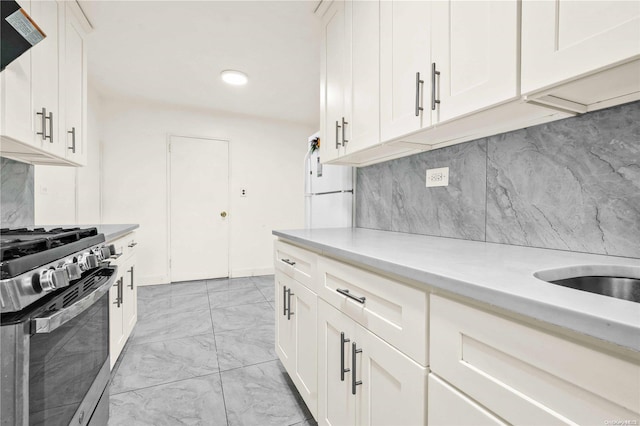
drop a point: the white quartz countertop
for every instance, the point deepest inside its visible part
(496, 274)
(110, 231)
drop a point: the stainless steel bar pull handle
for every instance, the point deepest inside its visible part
(284, 300)
(118, 301)
(288, 261)
(434, 73)
(337, 134)
(43, 123)
(131, 272)
(344, 128)
(345, 292)
(289, 313)
(418, 83)
(73, 139)
(354, 382)
(342, 369)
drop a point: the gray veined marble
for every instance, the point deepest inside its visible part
(573, 184)
(196, 288)
(243, 316)
(262, 395)
(248, 346)
(196, 401)
(374, 196)
(16, 194)
(171, 303)
(241, 296)
(160, 326)
(457, 210)
(155, 363)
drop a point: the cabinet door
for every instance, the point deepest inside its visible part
(448, 407)
(333, 80)
(304, 308)
(475, 49)
(336, 404)
(564, 39)
(362, 103)
(74, 89)
(44, 75)
(15, 83)
(389, 379)
(405, 57)
(116, 322)
(130, 297)
(285, 324)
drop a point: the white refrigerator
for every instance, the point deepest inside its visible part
(328, 192)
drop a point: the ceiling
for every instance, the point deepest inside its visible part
(173, 52)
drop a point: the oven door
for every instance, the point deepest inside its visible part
(69, 353)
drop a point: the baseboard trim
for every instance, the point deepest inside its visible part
(238, 273)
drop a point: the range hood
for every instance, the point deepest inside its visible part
(18, 32)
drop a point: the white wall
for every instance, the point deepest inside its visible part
(58, 199)
(266, 158)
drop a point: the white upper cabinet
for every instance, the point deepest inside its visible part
(350, 75)
(362, 103)
(44, 76)
(44, 90)
(333, 60)
(75, 85)
(565, 39)
(15, 83)
(475, 56)
(405, 68)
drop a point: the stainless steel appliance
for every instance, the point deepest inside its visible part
(54, 330)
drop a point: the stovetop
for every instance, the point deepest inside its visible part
(24, 249)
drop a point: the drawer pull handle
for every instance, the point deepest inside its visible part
(351, 296)
(284, 300)
(354, 382)
(133, 245)
(288, 262)
(342, 369)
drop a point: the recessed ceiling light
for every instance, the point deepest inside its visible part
(236, 78)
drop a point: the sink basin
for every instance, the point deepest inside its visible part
(618, 287)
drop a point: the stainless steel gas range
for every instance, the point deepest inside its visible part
(54, 330)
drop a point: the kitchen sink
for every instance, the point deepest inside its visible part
(618, 287)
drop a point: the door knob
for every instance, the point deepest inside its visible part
(223, 214)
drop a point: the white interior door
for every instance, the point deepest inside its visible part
(199, 201)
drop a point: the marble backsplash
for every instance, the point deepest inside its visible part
(16, 194)
(572, 184)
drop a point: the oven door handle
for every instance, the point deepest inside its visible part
(43, 325)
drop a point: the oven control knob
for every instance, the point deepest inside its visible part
(112, 250)
(73, 271)
(87, 261)
(51, 279)
(106, 252)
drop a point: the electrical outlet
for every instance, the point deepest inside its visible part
(243, 192)
(438, 177)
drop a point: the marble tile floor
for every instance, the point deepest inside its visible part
(202, 353)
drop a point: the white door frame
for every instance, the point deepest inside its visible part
(168, 206)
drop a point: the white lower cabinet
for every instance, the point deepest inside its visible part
(123, 296)
(363, 380)
(296, 310)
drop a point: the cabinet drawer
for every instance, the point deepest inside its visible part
(297, 263)
(125, 247)
(525, 375)
(448, 407)
(396, 312)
